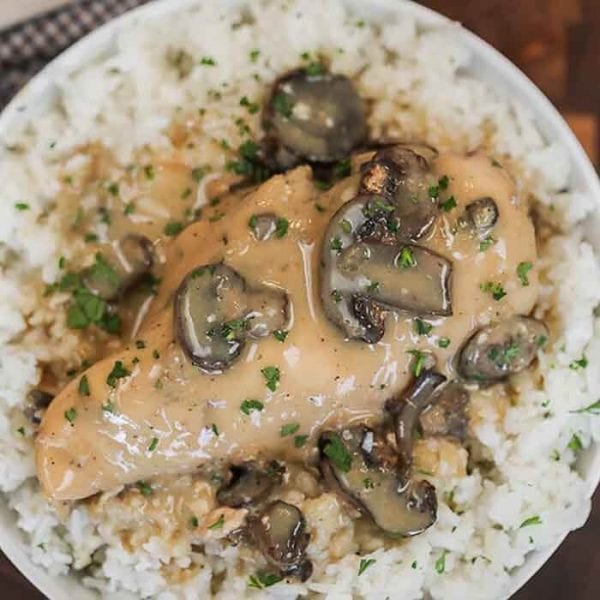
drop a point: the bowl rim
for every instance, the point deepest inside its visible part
(35, 95)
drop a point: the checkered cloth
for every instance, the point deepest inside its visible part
(25, 48)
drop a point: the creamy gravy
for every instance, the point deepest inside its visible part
(167, 417)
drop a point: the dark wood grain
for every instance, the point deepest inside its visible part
(557, 43)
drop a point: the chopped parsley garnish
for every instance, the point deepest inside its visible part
(449, 204)
(218, 524)
(593, 409)
(144, 488)
(283, 104)
(194, 522)
(254, 54)
(288, 429)
(281, 227)
(253, 222)
(336, 244)
(263, 580)
(62, 261)
(149, 172)
(535, 520)
(198, 174)
(443, 342)
(90, 238)
(118, 372)
(214, 429)
(342, 168)
(84, 387)
(113, 188)
(300, 440)
(575, 443)
(443, 182)
(365, 563)
(440, 563)
(22, 206)
(494, 288)
(407, 260)
(373, 286)
(155, 354)
(336, 295)
(253, 107)
(140, 344)
(580, 363)
(418, 363)
(346, 226)
(488, 242)
(413, 564)
(271, 375)
(250, 405)
(71, 414)
(523, 269)
(108, 407)
(336, 451)
(230, 329)
(153, 444)
(434, 191)
(422, 327)
(250, 164)
(186, 193)
(314, 69)
(208, 61)
(368, 483)
(173, 228)
(129, 209)
(541, 341)
(280, 335)
(21, 430)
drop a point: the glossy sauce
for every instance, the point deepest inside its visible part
(325, 381)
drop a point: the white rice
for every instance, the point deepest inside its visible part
(418, 82)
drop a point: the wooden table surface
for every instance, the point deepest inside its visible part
(557, 43)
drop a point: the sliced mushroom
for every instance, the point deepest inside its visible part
(316, 117)
(263, 226)
(36, 403)
(132, 258)
(447, 414)
(280, 534)
(215, 311)
(405, 411)
(351, 464)
(249, 484)
(402, 176)
(501, 349)
(481, 216)
(360, 281)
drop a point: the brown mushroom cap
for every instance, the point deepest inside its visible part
(447, 414)
(280, 534)
(215, 311)
(316, 117)
(501, 349)
(371, 484)
(250, 483)
(481, 215)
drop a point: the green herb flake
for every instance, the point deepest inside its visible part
(283, 105)
(208, 61)
(108, 407)
(336, 295)
(592, 409)
(443, 182)
(218, 524)
(346, 226)
(580, 363)
(155, 354)
(373, 286)
(300, 440)
(523, 269)
(413, 564)
(153, 444)
(280, 335)
(336, 451)
(194, 522)
(271, 375)
(253, 55)
(434, 191)
(90, 238)
(488, 242)
(71, 414)
(84, 387)
(118, 372)
(263, 580)
(422, 327)
(575, 443)
(250, 405)
(144, 488)
(21, 430)
(314, 69)
(129, 209)
(440, 563)
(253, 107)
(173, 228)
(214, 429)
(418, 363)
(336, 244)
(535, 520)
(407, 260)
(494, 288)
(140, 344)
(281, 227)
(365, 563)
(449, 204)
(288, 429)
(22, 206)
(443, 342)
(368, 483)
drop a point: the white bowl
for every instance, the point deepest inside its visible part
(487, 64)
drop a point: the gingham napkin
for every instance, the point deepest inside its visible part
(27, 47)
